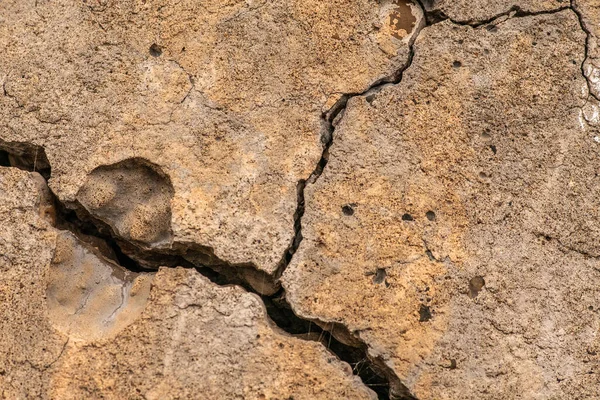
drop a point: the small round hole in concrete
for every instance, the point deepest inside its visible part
(475, 285)
(379, 276)
(348, 209)
(407, 217)
(424, 313)
(456, 64)
(430, 215)
(155, 50)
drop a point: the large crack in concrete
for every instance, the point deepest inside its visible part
(76, 220)
(375, 373)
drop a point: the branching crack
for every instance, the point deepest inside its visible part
(435, 16)
(373, 370)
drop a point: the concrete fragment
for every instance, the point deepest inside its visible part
(445, 182)
(88, 296)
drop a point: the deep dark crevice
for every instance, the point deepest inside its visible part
(279, 311)
(284, 317)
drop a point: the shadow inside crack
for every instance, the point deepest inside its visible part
(77, 221)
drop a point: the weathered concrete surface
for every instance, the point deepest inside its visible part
(425, 234)
(453, 231)
(192, 338)
(225, 98)
(468, 11)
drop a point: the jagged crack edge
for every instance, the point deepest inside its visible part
(73, 224)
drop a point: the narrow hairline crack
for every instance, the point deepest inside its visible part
(588, 34)
(436, 16)
(433, 17)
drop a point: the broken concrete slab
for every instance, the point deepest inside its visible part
(76, 325)
(422, 235)
(195, 337)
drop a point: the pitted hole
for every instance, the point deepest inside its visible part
(380, 276)
(430, 215)
(493, 148)
(155, 50)
(475, 285)
(133, 197)
(348, 209)
(486, 134)
(402, 21)
(456, 64)
(484, 176)
(424, 313)
(370, 98)
(430, 255)
(407, 217)
(491, 28)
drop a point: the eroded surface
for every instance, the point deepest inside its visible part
(190, 337)
(450, 231)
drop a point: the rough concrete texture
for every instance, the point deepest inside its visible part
(426, 233)
(193, 339)
(420, 179)
(225, 98)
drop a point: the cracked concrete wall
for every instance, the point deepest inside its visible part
(298, 199)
